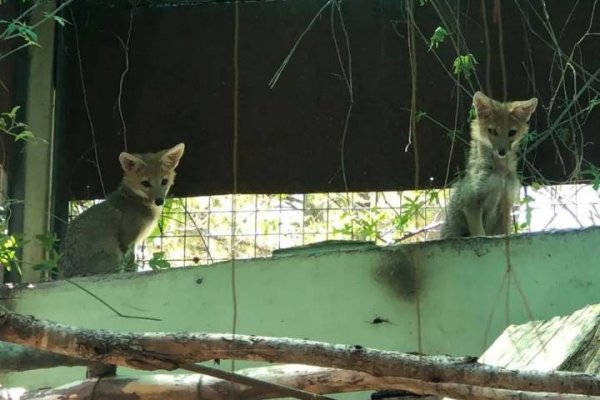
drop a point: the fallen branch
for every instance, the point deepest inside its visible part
(170, 350)
(311, 379)
(17, 358)
(265, 386)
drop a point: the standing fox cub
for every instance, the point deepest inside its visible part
(482, 200)
(98, 238)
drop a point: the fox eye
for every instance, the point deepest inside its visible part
(512, 133)
(146, 184)
(164, 182)
(492, 132)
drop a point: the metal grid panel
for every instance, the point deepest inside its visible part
(199, 230)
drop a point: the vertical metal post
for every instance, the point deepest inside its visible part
(60, 189)
(38, 156)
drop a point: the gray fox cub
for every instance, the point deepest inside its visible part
(482, 200)
(98, 238)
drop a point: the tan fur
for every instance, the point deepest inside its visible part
(482, 200)
(98, 238)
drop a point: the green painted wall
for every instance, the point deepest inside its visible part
(332, 293)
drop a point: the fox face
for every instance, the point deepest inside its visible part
(501, 125)
(151, 175)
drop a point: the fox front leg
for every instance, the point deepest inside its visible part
(474, 217)
(504, 217)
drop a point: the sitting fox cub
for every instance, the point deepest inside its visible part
(98, 238)
(482, 200)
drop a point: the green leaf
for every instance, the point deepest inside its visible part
(24, 135)
(10, 29)
(472, 113)
(13, 112)
(59, 20)
(48, 241)
(465, 65)
(594, 172)
(158, 262)
(8, 246)
(29, 35)
(46, 265)
(22, 30)
(438, 37)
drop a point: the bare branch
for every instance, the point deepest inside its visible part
(16, 358)
(311, 379)
(170, 350)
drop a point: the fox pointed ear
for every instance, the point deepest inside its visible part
(523, 109)
(172, 156)
(129, 162)
(483, 105)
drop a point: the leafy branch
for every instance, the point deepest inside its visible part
(9, 125)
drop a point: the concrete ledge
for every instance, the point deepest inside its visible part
(335, 292)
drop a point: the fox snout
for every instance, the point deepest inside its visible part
(158, 193)
(501, 147)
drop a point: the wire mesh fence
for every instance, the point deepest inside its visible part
(202, 230)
